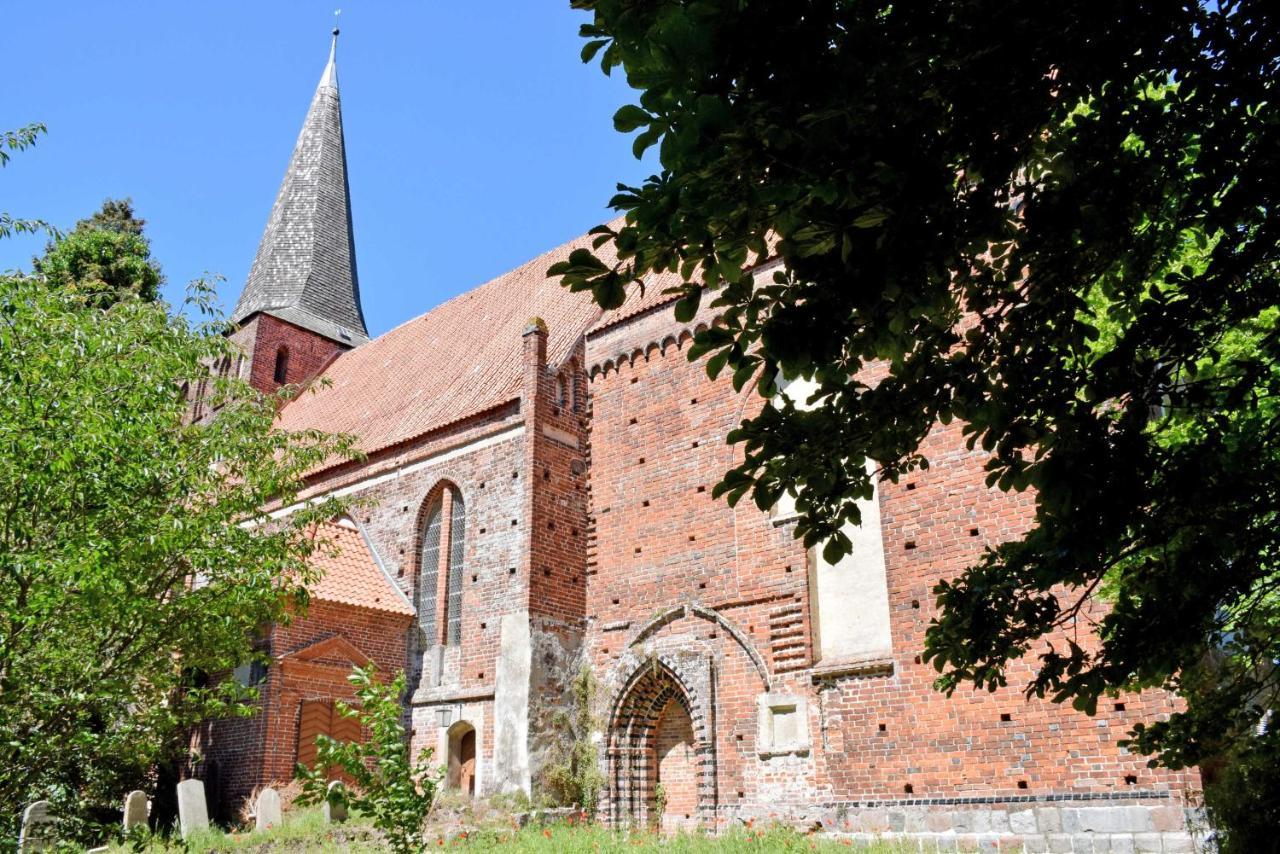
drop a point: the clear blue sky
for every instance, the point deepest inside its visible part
(476, 138)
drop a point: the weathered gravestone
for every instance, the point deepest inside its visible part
(193, 814)
(135, 810)
(267, 809)
(335, 803)
(37, 828)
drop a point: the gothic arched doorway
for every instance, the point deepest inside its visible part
(675, 767)
(462, 757)
(661, 764)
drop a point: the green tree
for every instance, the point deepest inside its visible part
(137, 561)
(114, 215)
(1052, 222)
(105, 255)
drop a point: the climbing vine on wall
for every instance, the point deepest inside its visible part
(572, 774)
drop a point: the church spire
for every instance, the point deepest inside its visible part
(305, 269)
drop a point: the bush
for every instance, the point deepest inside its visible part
(1241, 797)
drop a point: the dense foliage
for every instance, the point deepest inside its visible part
(1052, 222)
(106, 256)
(396, 794)
(136, 559)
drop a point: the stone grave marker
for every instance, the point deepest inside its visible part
(193, 813)
(267, 809)
(135, 810)
(37, 828)
(335, 804)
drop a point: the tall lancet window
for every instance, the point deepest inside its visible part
(457, 534)
(442, 550)
(428, 581)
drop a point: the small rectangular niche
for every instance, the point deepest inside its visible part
(782, 725)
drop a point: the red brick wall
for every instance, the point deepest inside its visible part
(657, 446)
(555, 443)
(261, 750)
(676, 764)
(263, 336)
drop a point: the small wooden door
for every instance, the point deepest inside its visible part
(467, 759)
(321, 717)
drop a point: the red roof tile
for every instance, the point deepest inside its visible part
(459, 359)
(351, 576)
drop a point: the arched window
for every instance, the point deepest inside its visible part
(443, 549)
(282, 365)
(562, 392)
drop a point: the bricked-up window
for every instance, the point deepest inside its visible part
(849, 600)
(571, 380)
(442, 563)
(282, 364)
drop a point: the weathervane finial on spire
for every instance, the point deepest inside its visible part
(330, 77)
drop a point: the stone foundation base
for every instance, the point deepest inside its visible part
(1035, 825)
(1080, 843)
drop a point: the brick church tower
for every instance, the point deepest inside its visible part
(301, 304)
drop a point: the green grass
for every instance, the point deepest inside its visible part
(302, 830)
(305, 830)
(562, 839)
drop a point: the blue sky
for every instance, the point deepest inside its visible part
(476, 138)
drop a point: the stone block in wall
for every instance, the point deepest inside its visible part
(1023, 821)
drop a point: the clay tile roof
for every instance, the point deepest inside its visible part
(352, 575)
(637, 302)
(462, 358)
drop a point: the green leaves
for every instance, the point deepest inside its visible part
(125, 548)
(1026, 233)
(871, 218)
(630, 117)
(591, 48)
(686, 307)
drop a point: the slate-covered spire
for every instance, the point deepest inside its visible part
(305, 269)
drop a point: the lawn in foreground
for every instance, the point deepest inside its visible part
(305, 830)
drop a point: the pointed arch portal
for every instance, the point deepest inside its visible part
(660, 732)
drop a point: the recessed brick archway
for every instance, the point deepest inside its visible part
(656, 687)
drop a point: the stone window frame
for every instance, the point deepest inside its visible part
(766, 706)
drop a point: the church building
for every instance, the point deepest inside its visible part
(535, 504)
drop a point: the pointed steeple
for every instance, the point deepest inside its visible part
(305, 269)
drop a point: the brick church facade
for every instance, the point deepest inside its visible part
(536, 499)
